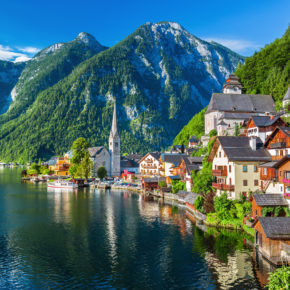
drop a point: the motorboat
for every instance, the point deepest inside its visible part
(62, 184)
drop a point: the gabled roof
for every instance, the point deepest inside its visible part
(155, 155)
(241, 103)
(172, 158)
(134, 156)
(192, 163)
(287, 95)
(276, 227)
(285, 130)
(237, 148)
(265, 121)
(270, 199)
(94, 151)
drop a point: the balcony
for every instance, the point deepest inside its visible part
(278, 145)
(219, 172)
(228, 187)
(222, 186)
(217, 185)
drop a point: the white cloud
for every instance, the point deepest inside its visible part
(29, 49)
(17, 54)
(22, 58)
(238, 45)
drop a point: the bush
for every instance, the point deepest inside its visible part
(212, 219)
(280, 279)
(162, 184)
(212, 133)
(198, 203)
(102, 172)
(178, 185)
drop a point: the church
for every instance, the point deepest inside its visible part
(232, 107)
(110, 159)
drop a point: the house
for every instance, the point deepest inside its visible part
(129, 165)
(275, 176)
(62, 166)
(149, 184)
(272, 236)
(234, 108)
(278, 143)
(193, 142)
(263, 126)
(235, 164)
(260, 201)
(168, 161)
(149, 164)
(185, 168)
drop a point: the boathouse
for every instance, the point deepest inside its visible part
(260, 201)
(272, 236)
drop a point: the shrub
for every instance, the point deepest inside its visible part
(198, 203)
(280, 279)
(162, 183)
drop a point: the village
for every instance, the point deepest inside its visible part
(240, 180)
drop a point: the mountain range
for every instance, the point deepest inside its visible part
(159, 76)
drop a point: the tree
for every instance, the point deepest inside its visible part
(86, 165)
(102, 172)
(79, 149)
(73, 171)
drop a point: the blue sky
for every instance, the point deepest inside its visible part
(244, 26)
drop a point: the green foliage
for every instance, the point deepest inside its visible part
(162, 183)
(275, 211)
(73, 171)
(267, 71)
(79, 149)
(212, 133)
(194, 127)
(101, 172)
(37, 169)
(177, 186)
(212, 219)
(237, 130)
(202, 181)
(198, 203)
(280, 279)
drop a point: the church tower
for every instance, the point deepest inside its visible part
(114, 146)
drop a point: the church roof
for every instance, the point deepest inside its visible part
(114, 129)
(287, 95)
(94, 151)
(241, 103)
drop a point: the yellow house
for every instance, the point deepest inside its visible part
(62, 166)
(235, 164)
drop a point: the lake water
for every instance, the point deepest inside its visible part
(96, 239)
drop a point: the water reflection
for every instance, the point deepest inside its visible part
(114, 239)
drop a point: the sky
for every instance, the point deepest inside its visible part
(243, 26)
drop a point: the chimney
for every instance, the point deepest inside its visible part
(253, 143)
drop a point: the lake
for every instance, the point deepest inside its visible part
(112, 239)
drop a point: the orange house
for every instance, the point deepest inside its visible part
(272, 236)
(62, 166)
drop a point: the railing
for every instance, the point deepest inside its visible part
(149, 166)
(219, 172)
(217, 185)
(223, 186)
(278, 145)
(228, 187)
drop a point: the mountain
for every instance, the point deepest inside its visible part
(268, 71)
(160, 76)
(9, 75)
(47, 68)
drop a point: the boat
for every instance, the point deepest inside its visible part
(62, 184)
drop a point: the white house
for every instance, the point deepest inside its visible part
(149, 164)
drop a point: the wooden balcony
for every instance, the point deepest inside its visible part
(222, 186)
(278, 145)
(217, 185)
(228, 187)
(219, 172)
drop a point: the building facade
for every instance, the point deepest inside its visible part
(149, 164)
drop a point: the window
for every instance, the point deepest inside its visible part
(255, 168)
(264, 171)
(245, 168)
(116, 144)
(220, 154)
(230, 181)
(230, 168)
(245, 182)
(256, 182)
(280, 173)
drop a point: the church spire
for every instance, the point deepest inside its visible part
(114, 130)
